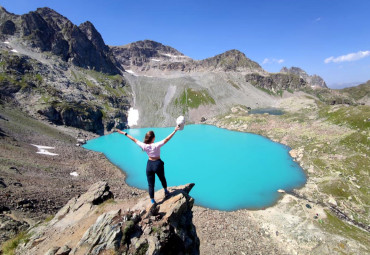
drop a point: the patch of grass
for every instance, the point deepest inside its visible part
(193, 99)
(48, 218)
(336, 188)
(359, 91)
(233, 84)
(265, 90)
(45, 99)
(11, 245)
(353, 116)
(336, 226)
(107, 202)
(156, 230)
(143, 248)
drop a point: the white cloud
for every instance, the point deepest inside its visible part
(348, 57)
(272, 61)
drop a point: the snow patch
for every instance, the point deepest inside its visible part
(6, 42)
(74, 174)
(174, 56)
(13, 50)
(44, 150)
(131, 72)
(157, 60)
(133, 117)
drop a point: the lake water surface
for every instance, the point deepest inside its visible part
(231, 170)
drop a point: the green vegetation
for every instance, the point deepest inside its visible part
(359, 91)
(193, 99)
(233, 84)
(356, 117)
(143, 248)
(49, 218)
(336, 226)
(335, 147)
(11, 245)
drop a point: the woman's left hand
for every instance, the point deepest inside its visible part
(177, 128)
(119, 131)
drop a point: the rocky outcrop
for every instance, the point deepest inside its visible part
(71, 101)
(276, 82)
(312, 80)
(9, 227)
(163, 228)
(8, 28)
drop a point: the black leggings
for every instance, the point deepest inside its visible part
(152, 168)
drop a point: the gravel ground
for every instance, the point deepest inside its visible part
(37, 185)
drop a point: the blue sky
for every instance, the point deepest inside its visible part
(330, 38)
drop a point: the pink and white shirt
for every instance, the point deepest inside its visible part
(153, 149)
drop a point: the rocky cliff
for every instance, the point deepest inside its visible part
(312, 80)
(94, 223)
(48, 31)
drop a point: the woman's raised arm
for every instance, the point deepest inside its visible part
(125, 133)
(171, 135)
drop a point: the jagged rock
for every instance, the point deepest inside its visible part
(276, 82)
(65, 250)
(157, 229)
(163, 228)
(52, 250)
(312, 80)
(47, 30)
(97, 194)
(8, 28)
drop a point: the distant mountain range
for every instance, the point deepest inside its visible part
(67, 74)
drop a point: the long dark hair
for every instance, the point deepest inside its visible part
(149, 136)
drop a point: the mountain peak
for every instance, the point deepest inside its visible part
(93, 35)
(231, 60)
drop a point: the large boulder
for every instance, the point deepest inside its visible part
(83, 227)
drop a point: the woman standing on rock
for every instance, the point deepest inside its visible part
(155, 165)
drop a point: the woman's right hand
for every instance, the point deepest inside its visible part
(177, 128)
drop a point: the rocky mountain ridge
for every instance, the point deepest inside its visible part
(47, 31)
(145, 55)
(76, 87)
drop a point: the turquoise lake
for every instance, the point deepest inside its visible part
(231, 170)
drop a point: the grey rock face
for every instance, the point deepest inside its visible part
(72, 100)
(232, 60)
(163, 228)
(47, 30)
(153, 55)
(276, 82)
(140, 53)
(312, 80)
(8, 28)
